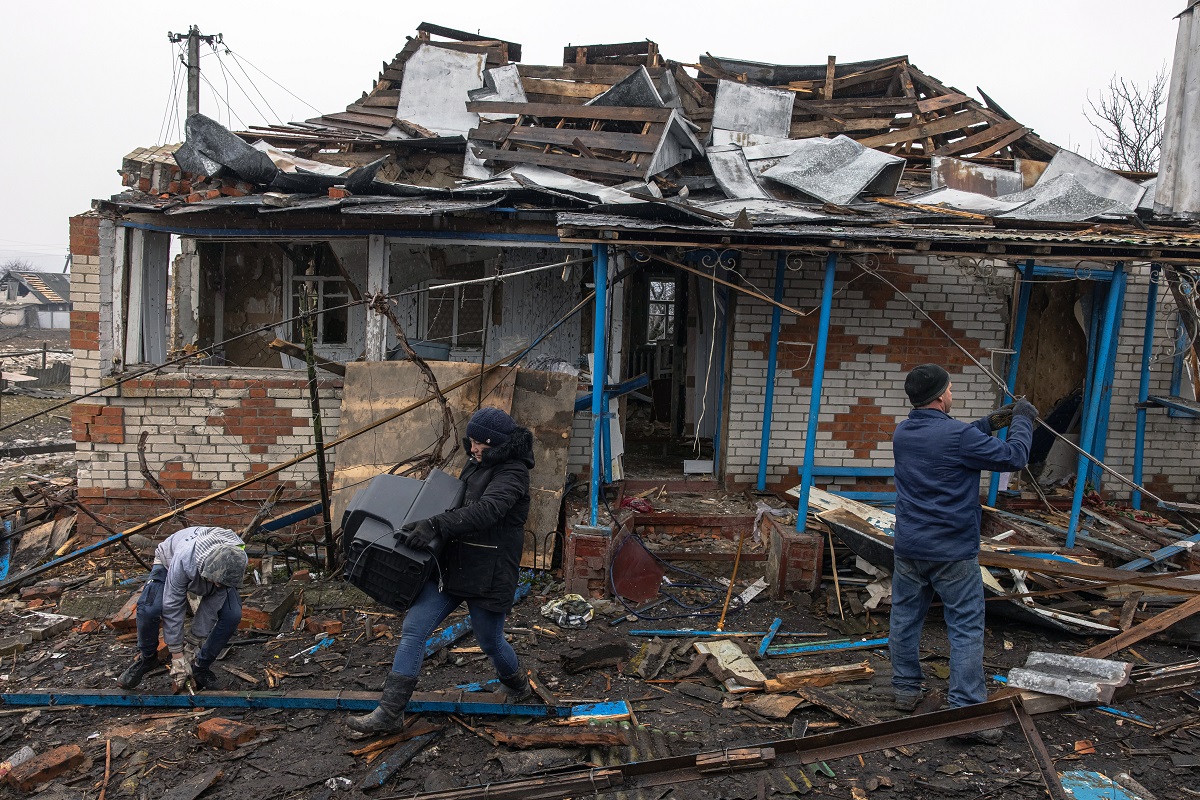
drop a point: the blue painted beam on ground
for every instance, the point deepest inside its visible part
(292, 517)
(1084, 785)
(324, 701)
(682, 632)
(825, 647)
(1161, 554)
(766, 641)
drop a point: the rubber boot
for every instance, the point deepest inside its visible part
(389, 714)
(516, 686)
(134, 673)
(204, 678)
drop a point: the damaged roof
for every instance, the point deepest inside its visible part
(456, 125)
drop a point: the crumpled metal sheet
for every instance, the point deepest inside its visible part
(636, 89)
(435, 89)
(732, 171)
(1178, 189)
(1095, 179)
(753, 109)
(764, 212)
(418, 206)
(966, 201)
(838, 170)
(1062, 198)
(954, 173)
(210, 149)
(1087, 680)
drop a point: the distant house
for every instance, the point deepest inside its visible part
(35, 300)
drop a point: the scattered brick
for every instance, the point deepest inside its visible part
(323, 625)
(46, 767)
(302, 576)
(88, 626)
(126, 618)
(338, 192)
(225, 733)
(46, 590)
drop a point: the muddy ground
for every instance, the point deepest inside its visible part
(297, 752)
(46, 419)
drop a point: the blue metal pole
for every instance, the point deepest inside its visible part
(599, 360)
(1095, 474)
(1112, 323)
(1010, 380)
(1139, 446)
(772, 355)
(814, 400)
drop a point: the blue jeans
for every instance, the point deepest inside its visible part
(960, 587)
(149, 617)
(428, 611)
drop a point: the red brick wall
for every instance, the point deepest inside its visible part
(97, 424)
(85, 235)
(794, 560)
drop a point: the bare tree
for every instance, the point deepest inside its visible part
(14, 265)
(1128, 118)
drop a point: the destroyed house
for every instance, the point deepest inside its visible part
(754, 255)
(35, 300)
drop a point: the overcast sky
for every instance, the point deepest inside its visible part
(85, 83)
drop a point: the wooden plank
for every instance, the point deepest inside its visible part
(1072, 570)
(939, 103)
(564, 88)
(821, 676)
(954, 122)
(596, 140)
(990, 134)
(992, 149)
(1156, 624)
(571, 112)
(845, 709)
(560, 737)
(591, 73)
(830, 72)
(618, 168)
(382, 97)
(592, 51)
(513, 48)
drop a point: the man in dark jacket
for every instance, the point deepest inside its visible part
(938, 466)
(480, 564)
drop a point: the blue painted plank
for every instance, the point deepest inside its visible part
(766, 641)
(825, 647)
(326, 701)
(682, 632)
(1160, 554)
(1084, 785)
(292, 517)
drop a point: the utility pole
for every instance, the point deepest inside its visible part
(194, 37)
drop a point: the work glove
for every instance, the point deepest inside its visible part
(1001, 417)
(418, 535)
(181, 669)
(1024, 408)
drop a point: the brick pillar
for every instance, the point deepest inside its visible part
(585, 560)
(794, 560)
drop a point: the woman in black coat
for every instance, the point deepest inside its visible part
(480, 563)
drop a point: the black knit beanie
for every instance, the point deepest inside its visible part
(490, 426)
(926, 384)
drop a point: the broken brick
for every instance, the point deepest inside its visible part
(88, 626)
(338, 192)
(323, 625)
(302, 576)
(46, 767)
(225, 733)
(47, 590)
(126, 618)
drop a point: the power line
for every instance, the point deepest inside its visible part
(238, 57)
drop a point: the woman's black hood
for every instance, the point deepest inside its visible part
(519, 447)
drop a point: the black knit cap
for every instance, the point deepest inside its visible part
(926, 384)
(490, 426)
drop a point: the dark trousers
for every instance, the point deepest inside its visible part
(149, 617)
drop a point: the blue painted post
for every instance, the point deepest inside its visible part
(814, 400)
(1112, 323)
(606, 435)
(1100, 445)
(772, 354)
(1139, 446)
(1010, 380)
(599, 360)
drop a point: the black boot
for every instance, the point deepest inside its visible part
(204, 678)
(517, 686)
(389, 714)
(133, 675)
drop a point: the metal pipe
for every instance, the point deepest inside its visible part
(599, 360)
(1017, 342)
(814, 399)
(772, 354)
(1139, 446)
(724, 342)
(1112, 323)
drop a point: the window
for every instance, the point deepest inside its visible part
(454, 315)
(332, 297)
(661, 309)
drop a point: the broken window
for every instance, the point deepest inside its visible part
(330, 304)
(143, 266)
(454, 315)
(661, 310)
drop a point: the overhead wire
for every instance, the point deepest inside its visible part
(253, 85)
(237, 56)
